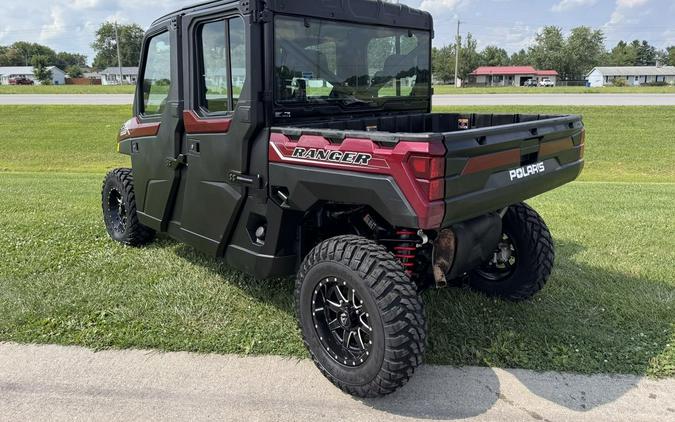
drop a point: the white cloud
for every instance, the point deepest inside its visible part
(565, 5)
(630, 3)
(440, 6)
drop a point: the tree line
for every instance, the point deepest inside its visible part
(572, 56)
(40, 57)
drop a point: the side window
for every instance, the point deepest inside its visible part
(238, 57)
(222, 75)
(214, 67)
(157, 74)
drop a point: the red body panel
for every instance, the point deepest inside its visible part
(508, 158)
(133, 128)
(195, 124)
(386, 161)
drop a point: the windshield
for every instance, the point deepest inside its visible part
(349, 65)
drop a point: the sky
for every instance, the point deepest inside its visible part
(69, 25)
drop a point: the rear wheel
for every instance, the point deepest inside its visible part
(360, 316)
(523, 260)
(119, 209)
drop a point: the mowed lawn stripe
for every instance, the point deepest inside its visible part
(609, 306)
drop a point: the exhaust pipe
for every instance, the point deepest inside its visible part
(443, 256)
(464, 246)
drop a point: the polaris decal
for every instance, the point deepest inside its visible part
(340, 157)
(527, 171)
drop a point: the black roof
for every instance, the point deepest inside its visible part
(362, 11)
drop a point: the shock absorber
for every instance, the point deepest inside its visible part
(405, 249)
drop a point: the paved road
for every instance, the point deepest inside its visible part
(450, 100)
(67, 383)
(557, 99)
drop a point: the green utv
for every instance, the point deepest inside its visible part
(296, 137)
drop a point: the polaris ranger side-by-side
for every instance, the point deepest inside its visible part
(297, 137)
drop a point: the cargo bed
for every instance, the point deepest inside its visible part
(491, 160)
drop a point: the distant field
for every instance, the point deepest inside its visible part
(608, 308)
(67, 89)
(625, 143)
(450, 89)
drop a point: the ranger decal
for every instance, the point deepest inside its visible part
(315, 154)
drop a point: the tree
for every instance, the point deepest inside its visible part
(130, 39)
(671, 55)
(662, 57)
(64, 60)
(40, 69)
(443, 63)
(21, 53)
(548, 52)
(469, 58)
(584, 49)
(623, 54)
(494, 56)
(646, 53)
(521, 58)
(74, 71)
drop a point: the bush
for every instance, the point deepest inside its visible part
(619, 82)
(660, 83)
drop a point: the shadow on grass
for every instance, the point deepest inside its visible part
(588, 320)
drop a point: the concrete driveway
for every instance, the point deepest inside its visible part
(438, 100)
(70, 383)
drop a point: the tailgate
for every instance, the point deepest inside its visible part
(491, 167)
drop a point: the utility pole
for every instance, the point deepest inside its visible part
(457, 47)
(119, 56)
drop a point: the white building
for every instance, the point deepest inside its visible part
(634, 75)
(26, 72)
(111, 76)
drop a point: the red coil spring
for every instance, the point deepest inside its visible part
(406, 250)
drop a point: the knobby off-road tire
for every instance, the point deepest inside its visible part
(380, 296)
(119, 209)
(532, 247)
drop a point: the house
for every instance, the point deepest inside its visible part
(634, 75)
(509, 75)
(111, 76)
(18, 72)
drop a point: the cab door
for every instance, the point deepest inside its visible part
(218, 125)
(155, 157)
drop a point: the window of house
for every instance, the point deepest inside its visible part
(222, 69)
(157, 74)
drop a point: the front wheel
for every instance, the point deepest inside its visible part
(360, 316)
(119, 209)
(523, 260)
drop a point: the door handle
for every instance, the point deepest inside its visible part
(176, 163)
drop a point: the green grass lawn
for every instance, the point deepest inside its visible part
(450, 89)
(609, 306)
(67, 89)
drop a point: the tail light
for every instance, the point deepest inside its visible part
(429, 172)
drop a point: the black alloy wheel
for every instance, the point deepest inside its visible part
(523, 260)
(342, 322)
(119, 210)
(360, 315)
